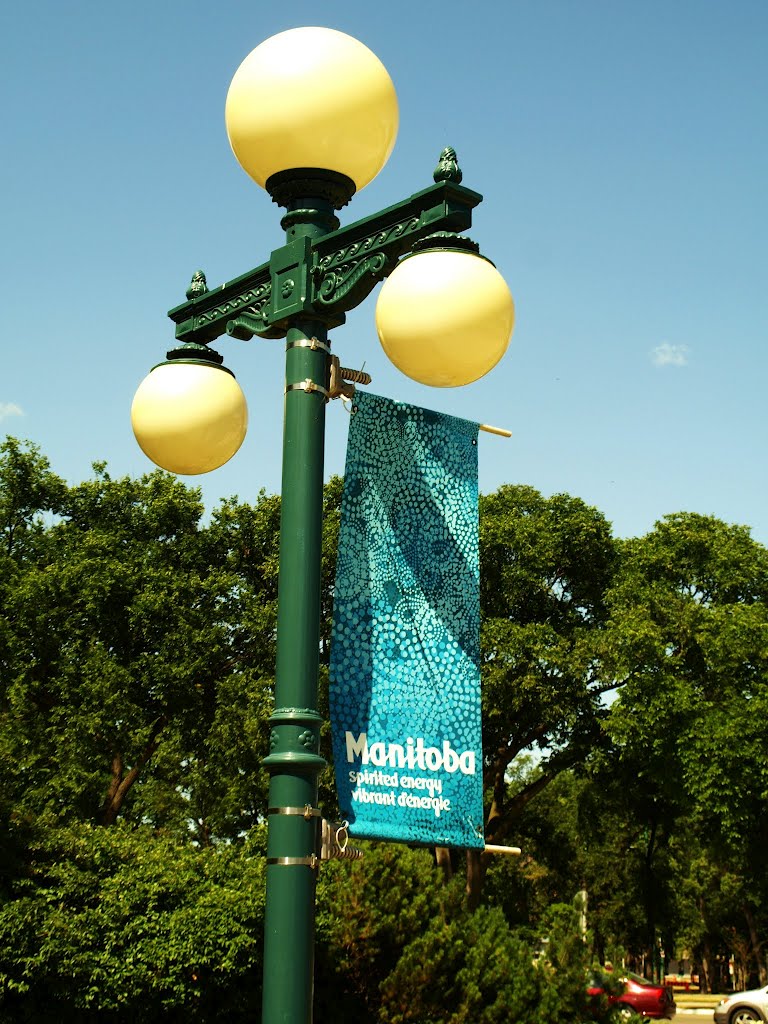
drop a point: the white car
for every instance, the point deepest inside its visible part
(743, 1007)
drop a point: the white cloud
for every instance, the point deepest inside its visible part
(670, 355)
(10, 409)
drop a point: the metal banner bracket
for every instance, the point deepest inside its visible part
(342, 381)
(334, 840)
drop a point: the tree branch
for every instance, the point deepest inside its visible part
(120, 786)
(507, 753)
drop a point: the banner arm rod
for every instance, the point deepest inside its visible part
(495, 430)
(513, 851)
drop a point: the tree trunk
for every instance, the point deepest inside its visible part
(443, 861)
(649, 898)
(756, 945)
(705, 974)
(477, 863)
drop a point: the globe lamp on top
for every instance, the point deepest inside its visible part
(445, 315)
(189, 416)
(312, 98)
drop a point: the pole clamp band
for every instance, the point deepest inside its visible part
(307, 812)
(311, 343)
(306, 385)
(312, 861)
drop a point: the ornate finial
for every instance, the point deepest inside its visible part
(448, 167)
(197, 286)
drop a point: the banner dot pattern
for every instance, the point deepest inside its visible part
(405, 680)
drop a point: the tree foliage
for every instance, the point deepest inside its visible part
(137, 645)
(400, 947)
(545, 567)
(123, 924)
(689, 635)
(664, 822)
(128, 684)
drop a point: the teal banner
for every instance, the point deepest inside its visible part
(405, 675)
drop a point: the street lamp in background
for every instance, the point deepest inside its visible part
(312, 117)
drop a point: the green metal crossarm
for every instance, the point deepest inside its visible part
(353, 259)
(327, 276)
(205, 318)
(444, 206)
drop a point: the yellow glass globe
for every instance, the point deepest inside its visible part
(445, 318)
(312, 97)
(189, 418)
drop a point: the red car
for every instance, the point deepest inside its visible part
(654, 1002)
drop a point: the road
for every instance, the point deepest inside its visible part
(693, 1017)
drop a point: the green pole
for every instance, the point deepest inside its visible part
(294, 761)
(304, 290)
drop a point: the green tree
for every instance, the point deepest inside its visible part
(625, 832)
(546, 564)
(135, 678)
(136, 655)
(137, 652)
(123, 924)
(30, 496)
(368, 912)
(472, 969)
(398, 945)
(688, 641)
(28, 491)
(551, 867)
(137, 649)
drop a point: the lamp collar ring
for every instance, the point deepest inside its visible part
(447, 241)
(296, 186)
(196, 354)
(185, 361)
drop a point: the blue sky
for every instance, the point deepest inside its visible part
(622, 151)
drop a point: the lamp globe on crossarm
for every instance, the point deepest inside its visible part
(189, 414)
(445, 315)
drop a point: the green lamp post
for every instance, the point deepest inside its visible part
(312, 117)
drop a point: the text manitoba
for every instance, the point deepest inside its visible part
(413, 754)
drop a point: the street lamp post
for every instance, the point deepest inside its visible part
(312, 117)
